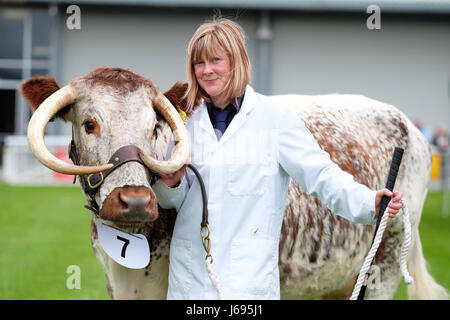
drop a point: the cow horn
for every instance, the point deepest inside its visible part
(181, 138)
(36, 129)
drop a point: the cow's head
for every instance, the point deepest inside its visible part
(110, 108)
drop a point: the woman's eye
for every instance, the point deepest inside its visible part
(216, 59)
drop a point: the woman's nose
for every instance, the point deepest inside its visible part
(208, 68)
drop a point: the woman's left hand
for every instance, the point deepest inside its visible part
(394, 205)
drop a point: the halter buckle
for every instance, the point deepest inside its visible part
(206, 241)
(98, 183)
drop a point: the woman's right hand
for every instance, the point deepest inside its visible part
(171, 180)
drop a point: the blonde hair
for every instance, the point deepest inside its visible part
(217, 34)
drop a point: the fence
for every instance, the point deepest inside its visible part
(21, 167)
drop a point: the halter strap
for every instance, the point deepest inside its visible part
(91, 183)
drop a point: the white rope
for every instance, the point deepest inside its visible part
(367, 262)
(406, 244)
(376, 243)
(214, 278)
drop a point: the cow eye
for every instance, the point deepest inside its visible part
(91, 126)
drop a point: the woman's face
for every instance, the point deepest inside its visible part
(213, 74)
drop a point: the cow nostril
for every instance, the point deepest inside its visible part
(130, 205)
(134, 203)
(123, 200)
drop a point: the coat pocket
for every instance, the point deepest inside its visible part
(180, 269)
(254, 268)
(248, 180)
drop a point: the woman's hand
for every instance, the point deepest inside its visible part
(171, 180)
(394, 206)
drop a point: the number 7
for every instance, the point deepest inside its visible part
(125, 245)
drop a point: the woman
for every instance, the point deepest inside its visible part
(245, 149)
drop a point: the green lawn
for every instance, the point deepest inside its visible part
(44, 230)
(434, 232)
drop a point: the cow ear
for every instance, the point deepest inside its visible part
(176, 93)
(175, 96)
(35, 90)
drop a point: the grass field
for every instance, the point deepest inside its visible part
(44, 230)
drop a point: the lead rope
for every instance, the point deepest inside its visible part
(209, 264)
(214, 278)
(362, 277)
(406, 244)
(206, 241)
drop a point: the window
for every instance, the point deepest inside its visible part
(26, 50)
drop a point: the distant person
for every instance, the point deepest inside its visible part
(425, 130)
(441, 140)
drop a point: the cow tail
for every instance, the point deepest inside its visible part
(424, 286)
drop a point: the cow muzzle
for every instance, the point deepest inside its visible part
(130, 206)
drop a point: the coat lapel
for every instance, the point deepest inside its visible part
(239, 119)
(205, 122)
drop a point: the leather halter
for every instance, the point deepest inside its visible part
(92, 182)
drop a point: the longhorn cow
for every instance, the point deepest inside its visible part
(320, 253)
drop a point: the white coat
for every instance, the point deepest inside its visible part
(246, 175)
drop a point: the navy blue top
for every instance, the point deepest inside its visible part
(231, 110)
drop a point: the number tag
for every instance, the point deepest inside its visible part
(129, 250)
